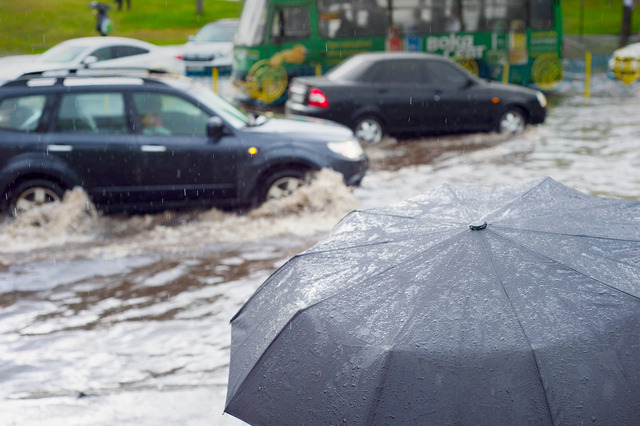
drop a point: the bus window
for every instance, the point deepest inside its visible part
(498, 15)
(252, 23)
(352, 18)
(541, 14)
(427, 16)
(290, 23)
(472, 13)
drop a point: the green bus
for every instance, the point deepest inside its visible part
(516, 41)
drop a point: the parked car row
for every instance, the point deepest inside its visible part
(154, 142)
(211, 47)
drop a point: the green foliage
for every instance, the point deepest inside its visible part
(598, 17)
(31, 26)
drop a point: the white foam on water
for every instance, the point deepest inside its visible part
(75, 224)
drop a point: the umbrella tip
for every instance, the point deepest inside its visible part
(478, 226)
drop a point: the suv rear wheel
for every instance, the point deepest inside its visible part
(33, 193)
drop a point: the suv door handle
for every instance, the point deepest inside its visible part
(153, 148)
(59, 148)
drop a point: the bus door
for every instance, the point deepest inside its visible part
(292, 50)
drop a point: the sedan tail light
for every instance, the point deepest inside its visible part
(318, 98)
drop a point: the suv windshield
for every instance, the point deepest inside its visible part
(224, 109)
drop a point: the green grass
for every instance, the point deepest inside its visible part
(598, 17)
(31, 26)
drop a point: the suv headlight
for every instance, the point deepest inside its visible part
(350, 149)
(542, 99)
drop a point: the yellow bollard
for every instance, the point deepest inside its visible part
(214, 77)
(318, 70)
(505, 73)
(587, 75)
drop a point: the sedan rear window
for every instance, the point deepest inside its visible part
(440, 72)
(115, 52)
(403, 71)
(349, 70)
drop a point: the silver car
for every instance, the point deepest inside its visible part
(211, 47)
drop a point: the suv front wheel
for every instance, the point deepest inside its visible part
(282, 184)
(33, 193)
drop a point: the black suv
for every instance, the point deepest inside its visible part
(154, 142)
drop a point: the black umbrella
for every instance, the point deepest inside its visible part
(462, 306)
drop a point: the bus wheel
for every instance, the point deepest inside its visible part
(369, 130)
(512, 121)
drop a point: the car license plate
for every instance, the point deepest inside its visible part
(297, 98)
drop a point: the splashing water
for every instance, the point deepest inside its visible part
(76, 224)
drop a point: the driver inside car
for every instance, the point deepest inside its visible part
(149, 107)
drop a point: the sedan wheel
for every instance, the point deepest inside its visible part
(512, 122)
(32, 194)
(369, 131)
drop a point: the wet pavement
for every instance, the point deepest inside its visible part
(125, 319)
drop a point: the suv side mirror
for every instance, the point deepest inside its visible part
(215, 128)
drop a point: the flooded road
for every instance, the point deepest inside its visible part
(125, 319)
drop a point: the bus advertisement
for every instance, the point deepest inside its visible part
(515, 41)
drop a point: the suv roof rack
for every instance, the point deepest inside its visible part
(61, 73)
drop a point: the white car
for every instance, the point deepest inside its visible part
(95, 52)
(211, 47)
(624, 63)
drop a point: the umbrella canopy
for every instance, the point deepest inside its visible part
(419, 313)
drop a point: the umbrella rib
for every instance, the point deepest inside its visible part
(461, 203)
(377, 213)
(524, 333)
(398, 240)
(569, 267)
(625, 240)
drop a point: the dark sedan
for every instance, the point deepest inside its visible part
(402, 92)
